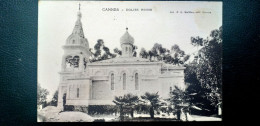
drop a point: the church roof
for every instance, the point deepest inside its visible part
(135, 60)
(170, 66)
(127, 38)
(123, 60)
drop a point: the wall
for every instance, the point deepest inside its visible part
(97, 89)
(84, 86)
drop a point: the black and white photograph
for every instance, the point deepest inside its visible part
(129, 61)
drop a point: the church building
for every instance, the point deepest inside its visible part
(97, 83)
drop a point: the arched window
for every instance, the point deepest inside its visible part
(112, 81)
(170, 89)
(77, 92)
(124, 81)
(76, 61)
(68, 62)
(136, 82)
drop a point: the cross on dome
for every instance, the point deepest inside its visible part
(79, 13)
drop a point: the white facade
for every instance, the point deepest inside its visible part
(99, 82)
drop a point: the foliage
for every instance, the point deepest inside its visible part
(97, 55)
(54, 100)
(80, 108)
(205, 74)
(143, 53)
(102, 109)
(42, 94)
(134, 50)
(198, 93)
(180, 100)
(99, 120)
(153, 100)
(174, 56)
(119, 52)
(69, 107)
(126, 104)
(142, 108)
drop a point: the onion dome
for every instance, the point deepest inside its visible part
(127, 38)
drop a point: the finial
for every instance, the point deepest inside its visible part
(79, 14)
(127, 28)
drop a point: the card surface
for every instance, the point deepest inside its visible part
(136, 61)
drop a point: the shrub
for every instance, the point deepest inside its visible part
(68, 108)
(99, 120)
(102, 109)
(82, 108)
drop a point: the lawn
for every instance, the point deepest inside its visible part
(53, 114)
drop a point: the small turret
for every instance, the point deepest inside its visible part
(127, 42)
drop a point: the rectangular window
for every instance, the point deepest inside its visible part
(77, 92)
(112, 82)
(136, 82)
(124, 81)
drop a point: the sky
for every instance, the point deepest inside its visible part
(56, 20)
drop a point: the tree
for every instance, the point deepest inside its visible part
(134, 50)
(174, 56)
(180, 100)
(179, 56)
(97, 55)
(119, 52)
(126, 103)
(197, 92)
(108, 53)
(157, 51)
(153, 100)
(143, 53)
(41, 95)
(54, 100)
(208, 69)
(97, 47)
(134, 53)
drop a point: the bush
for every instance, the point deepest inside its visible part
(68, 108)
(82, 108)
(99, 120)
(102, 109)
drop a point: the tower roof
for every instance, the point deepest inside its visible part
(127, 38)
(78, 30)
(77, 36)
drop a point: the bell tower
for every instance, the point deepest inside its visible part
(76, 49)
(74, 60)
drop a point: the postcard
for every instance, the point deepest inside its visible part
(130, 61)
